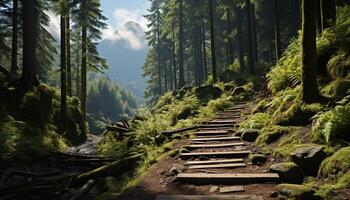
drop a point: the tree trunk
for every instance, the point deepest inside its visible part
(212, 39)
(250, 39)
(328, 13)
(295, 10)
(158, 55)
(181, 46)
(30, 35)
(83, 71)
(174, 57)
(277, 29)
(77, 78)
(230, 48)
(14, 67)
(204, 50)
(63, 76)
(69, 64)
(240, 37)
(309, 81)
(255, 40)
(319, 17)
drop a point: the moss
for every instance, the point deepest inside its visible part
(256, 121)
(337, 88)
(298, 113)
(271, 134)
(332, 127)
(336, 165)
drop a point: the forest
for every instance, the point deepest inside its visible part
(244, 99)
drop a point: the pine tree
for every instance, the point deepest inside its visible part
(89, 18)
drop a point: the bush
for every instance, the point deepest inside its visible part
(332, 126)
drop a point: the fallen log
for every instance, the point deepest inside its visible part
(117, 129)
(83, 190)
(171, 132)
(115, 167)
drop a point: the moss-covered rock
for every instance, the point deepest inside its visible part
(309, 158)
(289, 172)
(336, 165)
(248, 135)
(208, 92)
(271, 134)
(337, 88)
(295, 192)
(258, 159)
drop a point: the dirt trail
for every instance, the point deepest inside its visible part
(169, 177)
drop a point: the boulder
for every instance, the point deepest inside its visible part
(176, 169)
(238, 91)
(309, 158)
(185, 113)
(207, 92)
(248, 135)
(258, 159)
(289, 172)
(295, 192)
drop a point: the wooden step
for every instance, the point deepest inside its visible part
(230, 189)
(211, 132)
(210, 139)
(211, 197)
(222, 145)
(227, 121)
(216, 125)
(226, 165)
(219, 154)
(205, 162)
(210, 136)
(227, 178)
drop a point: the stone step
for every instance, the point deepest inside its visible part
(210, 139)
(226, 165)
(210, 136)
(222, 145)
(218, 154)
(211, 197)
(227, 178)
(206, 162)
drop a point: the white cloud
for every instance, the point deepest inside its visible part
(134, 36)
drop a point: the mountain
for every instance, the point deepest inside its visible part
(125, 52)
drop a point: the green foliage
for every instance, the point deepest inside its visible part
(332, 127)
(106, 101)
(256, 121)
(337, 88)
(20, 142)
(287, 72)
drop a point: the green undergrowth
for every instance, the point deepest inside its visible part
(173, 110)
(335, 173)
(30, 127)
(286, 123)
